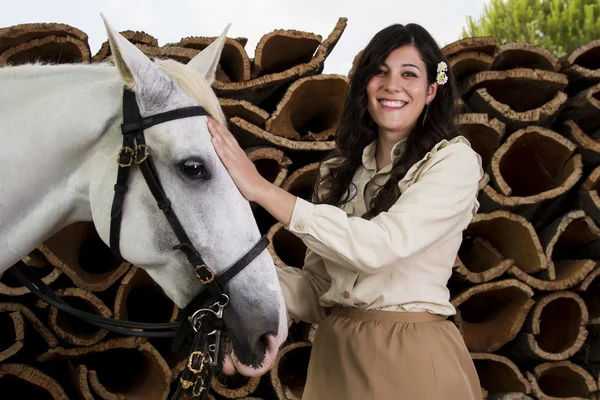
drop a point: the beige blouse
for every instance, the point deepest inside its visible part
(400, 260)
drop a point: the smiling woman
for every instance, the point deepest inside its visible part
(383, 230)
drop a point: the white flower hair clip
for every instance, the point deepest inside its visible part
(441, 73)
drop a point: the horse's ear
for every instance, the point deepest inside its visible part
(134, 66)
(207, 60)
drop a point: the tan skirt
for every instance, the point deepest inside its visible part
(385, 355)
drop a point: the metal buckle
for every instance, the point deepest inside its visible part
(146, 153)
(191, 359)
(198, 388)
(126, 149)
(203, 280)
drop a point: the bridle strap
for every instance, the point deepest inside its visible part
(135, 151)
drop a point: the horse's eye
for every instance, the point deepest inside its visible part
(194, 169)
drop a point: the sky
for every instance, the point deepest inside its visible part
(170, 20)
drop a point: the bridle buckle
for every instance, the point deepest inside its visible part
(125, 149)
(203, 280)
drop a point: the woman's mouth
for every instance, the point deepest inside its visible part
(391, 104)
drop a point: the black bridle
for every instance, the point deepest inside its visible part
(206, 322)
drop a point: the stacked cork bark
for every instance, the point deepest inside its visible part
(525, 284)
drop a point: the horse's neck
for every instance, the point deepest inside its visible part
(52, 119)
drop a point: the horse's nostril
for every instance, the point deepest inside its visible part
(264, 339)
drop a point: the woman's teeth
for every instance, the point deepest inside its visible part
(392, 104)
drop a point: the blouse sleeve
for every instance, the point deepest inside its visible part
(302, 288)
(440, 203)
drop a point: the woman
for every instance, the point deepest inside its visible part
(383, 230)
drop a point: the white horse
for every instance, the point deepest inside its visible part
(59, 140)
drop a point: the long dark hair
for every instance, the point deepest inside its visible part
(357, 129)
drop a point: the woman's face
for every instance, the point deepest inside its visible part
(398, 92)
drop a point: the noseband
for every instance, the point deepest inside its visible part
(206, 323)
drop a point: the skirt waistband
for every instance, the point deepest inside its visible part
(386, 316)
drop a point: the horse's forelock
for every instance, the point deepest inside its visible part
(192, 83)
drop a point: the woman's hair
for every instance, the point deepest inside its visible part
(357, 129)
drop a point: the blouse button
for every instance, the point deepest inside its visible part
(299, 226)
(347, 294)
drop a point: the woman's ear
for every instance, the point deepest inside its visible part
(432, 91)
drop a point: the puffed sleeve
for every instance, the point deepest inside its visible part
(441, 202)
(302, 288)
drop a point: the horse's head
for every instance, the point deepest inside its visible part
(216, 217)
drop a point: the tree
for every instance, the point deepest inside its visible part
(557, 25)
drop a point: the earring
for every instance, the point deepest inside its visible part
(425, 116)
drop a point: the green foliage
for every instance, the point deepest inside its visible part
(557, 25)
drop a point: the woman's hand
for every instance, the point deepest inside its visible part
(243, 172)
(279, 203)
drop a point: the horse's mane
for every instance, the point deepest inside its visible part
(194, 85)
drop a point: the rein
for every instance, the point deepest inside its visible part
(205, 322)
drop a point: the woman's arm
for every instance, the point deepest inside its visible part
(439, 204)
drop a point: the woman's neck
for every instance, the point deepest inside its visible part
(385, 144)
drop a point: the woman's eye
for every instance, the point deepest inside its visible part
(194, 169)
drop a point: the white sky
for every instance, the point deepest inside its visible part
(171, 20)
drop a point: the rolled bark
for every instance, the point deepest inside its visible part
(50, 49)
(12, 334)
(286, 249)
(258, 89)
(15, 35)
(584, 108)
(44, 338)
(301, 152)
(21, 381)
(10, 286)
(497, 241)
(570, 245)
(135, 37)
(484, 133)
(282, 49)
(467, 63)
(234, 387)
(499, 374)
(582, 66)
(588, 197)
(491, 314)
(311, 108)
(72, 329)
(561, 379)
(140, 299)
(272, 164)
(524, 55)
(588, 146)
(141, 372)
(555, 329)
(234, 59)
(518, 97)
(80, 375)
(78, 251)
(508, 396)
(483, 44)
(531, 173)
(288, 375)
(35, 258)
(179, 54)
(589, 290)
(532, 162)
(301, 182)
(245, 110)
